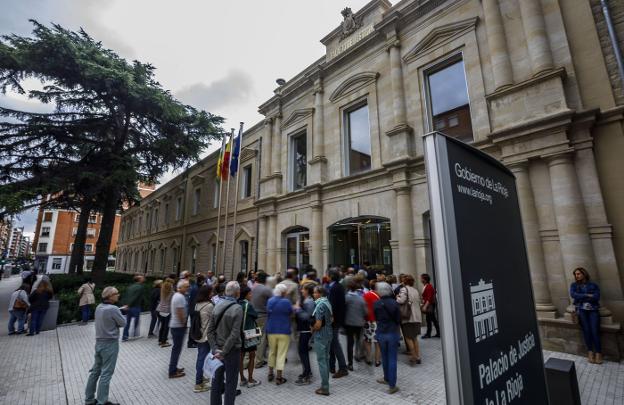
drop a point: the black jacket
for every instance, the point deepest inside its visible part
(387, 314)
(39, 300)
(337, 301)
(154, 298)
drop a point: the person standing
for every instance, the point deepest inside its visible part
(86, 292)
(154, 300)
(132, 299)
(177, 325)
(429, 306)
(303, 314)
(337, 301)
(388, 317)
(355, 318)
(224, 336)
(322, 335)
(279, 310)
(204, 309)
(191, 298)
(108, 320)
(18, 305)
(409, 298)
(370, 328)
(164, 311)
(292, 288)
(247, 348)
(586, 296)
(259, 298)
(39, 304)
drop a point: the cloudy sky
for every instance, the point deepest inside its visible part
(219, 56)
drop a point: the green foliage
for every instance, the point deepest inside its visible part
(66, 287)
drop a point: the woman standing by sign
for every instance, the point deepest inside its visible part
(586, 296)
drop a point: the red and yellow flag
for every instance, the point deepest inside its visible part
(224, 162)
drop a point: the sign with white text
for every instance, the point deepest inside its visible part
(492, 351)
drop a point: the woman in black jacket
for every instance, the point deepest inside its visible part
(388, 317)
(39, 304)
(154, 300)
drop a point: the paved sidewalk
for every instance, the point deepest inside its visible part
(52, 368)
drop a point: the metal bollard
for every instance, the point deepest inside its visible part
(561, 382)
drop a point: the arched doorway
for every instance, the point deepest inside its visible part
(362, 239)
(297, 247)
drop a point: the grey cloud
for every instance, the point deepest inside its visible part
(235, 87)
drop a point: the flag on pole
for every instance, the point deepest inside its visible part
(220, 161)
(225, 163)
(235, 156)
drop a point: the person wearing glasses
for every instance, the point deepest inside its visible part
(108, 320)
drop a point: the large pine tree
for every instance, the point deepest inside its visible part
(112, 120)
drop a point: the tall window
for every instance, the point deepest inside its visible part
(298, 161)
(196, 201)
(247, 181)
(90, 232)
(148, 224)
(45, 231)
(215, 195)
(448, 101)
(178, 208)
(193, 258)
(156, 219)
(167, 214)
(213, 265)
(244, 252)
(174, 262)
(163, 256)
(47, 217)
(358, 142)
(42, 247)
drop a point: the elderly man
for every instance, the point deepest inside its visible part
(108, 320)
(177, 326)
(224, 335)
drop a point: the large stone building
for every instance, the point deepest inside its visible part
(340, 155)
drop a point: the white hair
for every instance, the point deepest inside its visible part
(108, 292)
(384, 289)
(181, 283)
(280, 290)
(232, 288)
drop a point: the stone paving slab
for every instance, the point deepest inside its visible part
(52, 368)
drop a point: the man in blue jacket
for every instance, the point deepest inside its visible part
(337, 301)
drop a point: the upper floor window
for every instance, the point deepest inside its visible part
(216, 195)
(148, 224)
(47, 217)
(42, 248)
(93, 219)
(167, 214)
(357, 140)
(91, 232)
(448, 101)
(298, 161)
(45, 231)
(178, 208)
(156, 219)
(247, 181)
(196, 201)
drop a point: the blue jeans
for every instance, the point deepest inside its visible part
(133, 313)
(36, 320)
(202, 351)
(20, 317)
(336, 351)
(85, 310)
(229, 373)
(389, 345)
(304, 353)
(177, 335)
(321, 348)
(103, 368)
(590, 324)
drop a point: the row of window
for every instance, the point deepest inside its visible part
(91, 232)
(42, 247)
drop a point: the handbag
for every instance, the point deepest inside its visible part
(251, 336)
(19, 304)
(406, 308)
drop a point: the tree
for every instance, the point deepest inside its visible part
(110, 113)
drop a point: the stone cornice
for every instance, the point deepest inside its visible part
(542, 77)
(297, 116)
(439, 36)
(615, 114)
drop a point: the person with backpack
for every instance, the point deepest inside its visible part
(411, 317)
(249, 340)
(39, 304)
(18, 305)
(199, 333)
(86, 292)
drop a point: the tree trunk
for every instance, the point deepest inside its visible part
(76, 263)
(102, 247)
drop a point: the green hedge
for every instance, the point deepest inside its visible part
(66, 291)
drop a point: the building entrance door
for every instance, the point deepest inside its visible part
(354, 241)
(297, 248)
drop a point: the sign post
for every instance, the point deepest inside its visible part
(490, 340)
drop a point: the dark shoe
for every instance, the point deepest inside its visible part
(191, 345)
(12, 333)
(238, 392)
(437, 335)
(280, 381)
(177, 374)
(332, 371)
(30, 334)
(109, 403)
(166, 344)
(303, 381)
(340, 374)
(180, 370)
(350, 367)
(271, 377)
(425, 336)
(150, 335)
(321, 391)
(393, 390)
(377, 364)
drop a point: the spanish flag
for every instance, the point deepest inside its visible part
(220, 161)
(225, 162)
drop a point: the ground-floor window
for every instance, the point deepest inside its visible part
(298, 248)
(354, 241)
(56, 263)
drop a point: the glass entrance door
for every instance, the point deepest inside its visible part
(354, 241)
(297, 248)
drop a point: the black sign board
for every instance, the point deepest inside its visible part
(492, 351)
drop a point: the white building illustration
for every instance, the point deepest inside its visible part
(483, 310)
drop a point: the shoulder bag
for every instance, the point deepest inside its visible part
(406, 307)
(251, 336)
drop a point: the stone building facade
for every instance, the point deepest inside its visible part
(338, 160)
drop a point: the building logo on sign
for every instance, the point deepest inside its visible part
(483, 310)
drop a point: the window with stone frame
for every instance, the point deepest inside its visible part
(357, 139)
(298, 161)
(447, 99)
(247, 181)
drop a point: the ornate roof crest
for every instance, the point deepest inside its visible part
(350, 23)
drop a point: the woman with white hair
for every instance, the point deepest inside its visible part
(388, 317)
(279, 311)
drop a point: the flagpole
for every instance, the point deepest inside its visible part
(240, 148)
(219, 210)
(227, 203)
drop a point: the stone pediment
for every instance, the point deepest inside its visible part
(197, 179)
(247, 154)
(439, 36)
(296, 116)
(352, 84)
(193, 241)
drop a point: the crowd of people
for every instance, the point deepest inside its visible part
(29, 304)
(251, 322)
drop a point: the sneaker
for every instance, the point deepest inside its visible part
(382, 381)
(303, 381)
(201, 388)
(252, 383)
(393, 390)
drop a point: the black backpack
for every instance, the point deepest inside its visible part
(196, 326)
